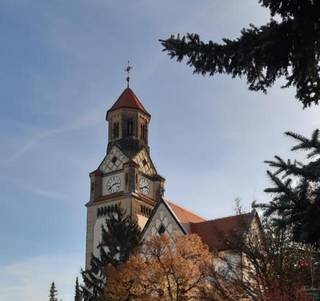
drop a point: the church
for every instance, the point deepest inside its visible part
(128, 178)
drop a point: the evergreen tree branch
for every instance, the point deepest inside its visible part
(295, 201)
(288, 48)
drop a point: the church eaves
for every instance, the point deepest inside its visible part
(129, 100)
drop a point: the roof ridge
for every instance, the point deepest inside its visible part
(229, 216)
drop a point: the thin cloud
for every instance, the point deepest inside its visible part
(88, 119)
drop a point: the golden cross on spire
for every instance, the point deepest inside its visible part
(128, 69)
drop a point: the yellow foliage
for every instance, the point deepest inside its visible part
(165, 268)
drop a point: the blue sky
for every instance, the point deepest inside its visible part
(62, 67)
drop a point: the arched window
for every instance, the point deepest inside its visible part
(130, 127)
(143, 131)
(115, 133)
(146, 132)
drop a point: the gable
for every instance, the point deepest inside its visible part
(255, 231)
(113, 161)
(143, 159)
(162, 219)
(219, 234)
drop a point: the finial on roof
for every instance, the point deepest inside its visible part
(128, 69)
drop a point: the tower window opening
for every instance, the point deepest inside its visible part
(130, 127)
(143, 131)
(116, 130)
(114, 159)
(146, 132)
(145, 211)
(106, 210)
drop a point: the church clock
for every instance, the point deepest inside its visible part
(113, 184)
(144, 185)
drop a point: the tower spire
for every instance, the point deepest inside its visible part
(128, 69)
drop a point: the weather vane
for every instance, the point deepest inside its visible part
(128, 69)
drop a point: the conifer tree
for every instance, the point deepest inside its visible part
(53, 292)
(296, 192)
(288, 46)
(77, 291)
(120, 237)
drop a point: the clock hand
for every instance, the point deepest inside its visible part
(112, 186)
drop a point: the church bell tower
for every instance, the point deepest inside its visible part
(126, 177)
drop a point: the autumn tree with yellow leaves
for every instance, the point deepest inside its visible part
(165, 268)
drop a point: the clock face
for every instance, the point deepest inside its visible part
(144, 185)
(113, 184)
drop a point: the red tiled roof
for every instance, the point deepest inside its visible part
(214, 232)
(184, 215)
(128, 99)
